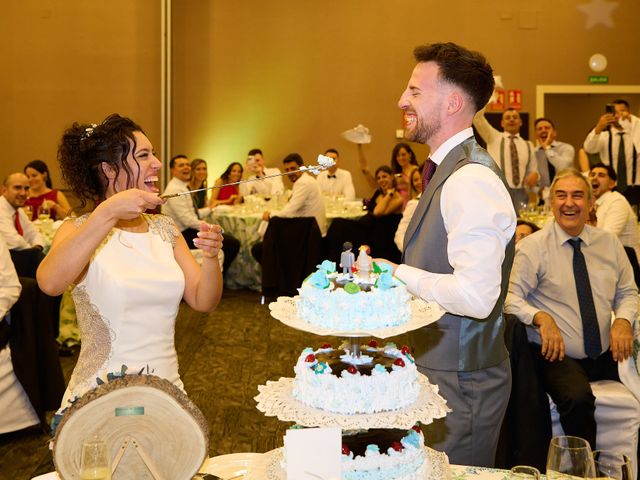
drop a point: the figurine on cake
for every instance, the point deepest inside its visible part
(364, 263)
(347, 259)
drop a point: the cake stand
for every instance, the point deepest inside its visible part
(422, 314)
(276, 400)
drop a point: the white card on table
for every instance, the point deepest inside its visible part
(313, 453)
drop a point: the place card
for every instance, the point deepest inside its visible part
(313, 453)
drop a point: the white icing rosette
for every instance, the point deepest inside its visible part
(275, 399)
(269, 467)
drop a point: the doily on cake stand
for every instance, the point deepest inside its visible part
(269, 466)
(275, 400)
(422, 314)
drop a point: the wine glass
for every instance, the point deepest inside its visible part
(95, 464)
(524, 472)
(569, 457)
(613, 465)
(28, 211)
(44, 212)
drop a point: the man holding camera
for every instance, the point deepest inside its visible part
(613, 139)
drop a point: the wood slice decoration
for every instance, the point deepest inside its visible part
(164, 433)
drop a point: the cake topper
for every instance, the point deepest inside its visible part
(347, 259)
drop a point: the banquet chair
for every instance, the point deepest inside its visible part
(291, 249)
(617, 409)
(33, 354)
(633, 259)
(14, 402)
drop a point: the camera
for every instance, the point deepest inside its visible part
(610, 108)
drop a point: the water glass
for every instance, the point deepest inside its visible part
(569, 457)
(524, 472)
(95, 463)
(613, 465)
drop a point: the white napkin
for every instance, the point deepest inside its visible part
(359, 134)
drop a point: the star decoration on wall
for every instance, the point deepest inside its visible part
(598, 12)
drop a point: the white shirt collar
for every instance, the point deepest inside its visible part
(443, 150)
(602, 198)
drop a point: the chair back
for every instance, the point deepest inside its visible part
(291, 250)
(633, 259)
(26, 261)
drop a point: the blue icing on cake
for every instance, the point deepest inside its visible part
(383, 301)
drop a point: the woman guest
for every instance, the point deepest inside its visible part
(199, 180)
(42, 194)
(129, 270)
(386, 200)
(403, 161)
(415, 192)
(229, 194)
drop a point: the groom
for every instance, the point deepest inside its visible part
(458, 251)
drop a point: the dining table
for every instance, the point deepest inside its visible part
(235, 466)
(244, 221)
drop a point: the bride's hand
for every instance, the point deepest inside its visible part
(209, 240)
(129, 204)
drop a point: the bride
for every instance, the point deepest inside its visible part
(128, 270)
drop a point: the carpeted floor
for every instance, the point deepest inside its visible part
(223, 357)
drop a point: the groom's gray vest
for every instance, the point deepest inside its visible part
(454, 343)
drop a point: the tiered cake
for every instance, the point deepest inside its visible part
(372, 391)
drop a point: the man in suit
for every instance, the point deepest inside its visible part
(458, 251)
(514, 154)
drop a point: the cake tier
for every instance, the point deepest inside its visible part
(352, 307)
(381, 379)
(434, 467)
(382, 454)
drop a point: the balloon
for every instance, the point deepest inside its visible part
(597, 62)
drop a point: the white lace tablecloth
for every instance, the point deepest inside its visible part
(422, 314)
(275, 400)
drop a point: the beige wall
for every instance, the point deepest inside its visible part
(74, 60)
(282, 75)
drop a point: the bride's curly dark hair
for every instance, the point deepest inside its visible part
(85, 147)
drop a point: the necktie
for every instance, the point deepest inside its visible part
(18, 224)
(544, 169)
(622, 164)
(428, 170)
(515, 162)
(331, 176)
(590, 329)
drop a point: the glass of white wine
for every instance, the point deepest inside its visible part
(44, 212)
(612, 465)
(28, 211)
(524, 472)
(95, 463)
(569, 458)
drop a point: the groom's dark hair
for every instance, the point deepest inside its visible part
(467, 69)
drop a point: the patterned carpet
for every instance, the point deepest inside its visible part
(223, 357)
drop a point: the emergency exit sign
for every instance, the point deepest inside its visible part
(598, 79)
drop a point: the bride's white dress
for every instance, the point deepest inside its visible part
(127, 305)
